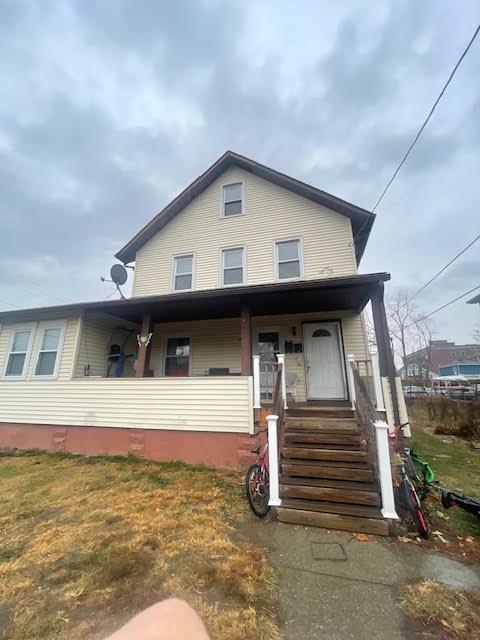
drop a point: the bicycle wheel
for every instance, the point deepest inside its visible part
(257, 489)
(413, 504)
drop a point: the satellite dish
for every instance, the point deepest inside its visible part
(118, 273)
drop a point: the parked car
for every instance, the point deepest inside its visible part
(414, 391)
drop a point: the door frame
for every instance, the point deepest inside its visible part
(343, 358)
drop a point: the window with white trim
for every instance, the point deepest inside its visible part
(17, 357)
(183, 273)
(47, 360)
(232, 266)
(232, 199)
(288, 260)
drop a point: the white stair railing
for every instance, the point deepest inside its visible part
(273, 462)
(256, 382)
(385, 470)
(281, 361)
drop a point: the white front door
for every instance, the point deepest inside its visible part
(324, 361)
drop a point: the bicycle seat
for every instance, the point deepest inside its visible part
(256, 450)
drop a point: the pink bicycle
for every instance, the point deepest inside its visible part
(257, 481)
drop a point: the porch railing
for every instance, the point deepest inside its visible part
(375, 432)
(276, 434)
(265, 375)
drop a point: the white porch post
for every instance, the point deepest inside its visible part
(256, 382)
(351, 380)
(281, 360)
(273, 467)
(377, 382)
(385, 470)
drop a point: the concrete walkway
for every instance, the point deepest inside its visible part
(332, 586)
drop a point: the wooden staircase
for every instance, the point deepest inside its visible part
(326, 479)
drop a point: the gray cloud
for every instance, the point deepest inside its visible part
(107, 110)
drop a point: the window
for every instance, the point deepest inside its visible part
(321, 333)
(177, 357)
(17, 358)
(47, 358)
(232, 266)
(183, 273)
(288, 263)
(268, 345)
(232, 199)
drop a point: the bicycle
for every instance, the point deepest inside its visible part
(411, 498)
(257, 480)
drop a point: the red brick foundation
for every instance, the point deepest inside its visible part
(194, 447)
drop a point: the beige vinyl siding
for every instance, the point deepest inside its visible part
(98, 331)
(271, 213)
(67, 352)
(216, 343)
(190, 404)
(213, 344)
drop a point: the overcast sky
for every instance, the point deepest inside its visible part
(108, 108)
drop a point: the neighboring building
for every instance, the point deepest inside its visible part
(245, 267)
(426, 362)
(471, 368)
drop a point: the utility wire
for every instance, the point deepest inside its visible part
(443, 306)
(427, 118)
(8, 303)
(394, 175)
(443, 269)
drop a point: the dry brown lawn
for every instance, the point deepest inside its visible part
(441, 611)
(85, 543)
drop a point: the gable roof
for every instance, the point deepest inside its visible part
(362, 220)
(474, 300)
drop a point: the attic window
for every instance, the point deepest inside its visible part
(232, 199)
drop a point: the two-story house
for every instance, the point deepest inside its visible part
(245, 268)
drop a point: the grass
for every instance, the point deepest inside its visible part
(456, 466)
(442, 611)
(85, 543)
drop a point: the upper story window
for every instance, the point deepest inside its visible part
(233, 266)
(183, 272)
(232, 199)
(47, 359)
(288, 260)
(17, 359)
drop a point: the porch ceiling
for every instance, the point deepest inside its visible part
(328, 294)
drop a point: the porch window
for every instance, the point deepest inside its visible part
(183, 273)
(288, 260)
(177, 357)
(232, 266)
(17, 358)
(268, 345)
(232, 199)
(47, 359)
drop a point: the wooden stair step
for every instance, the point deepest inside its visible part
(351, 485)
(357, 510)
(319, 424)
(326, 445)
(319, 470)
(328, 412)
(357, 464)
(330, 494)
(337, 437)
(333, 521)
(307, 453)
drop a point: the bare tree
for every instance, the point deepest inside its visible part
(410, 331)
(476, 333)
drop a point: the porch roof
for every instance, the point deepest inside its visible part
(327, 294)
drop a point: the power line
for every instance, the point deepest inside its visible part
(419, 133)
(110, 294)
(8, 303)
(427, 118)
(443, 306)
(443, 269)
